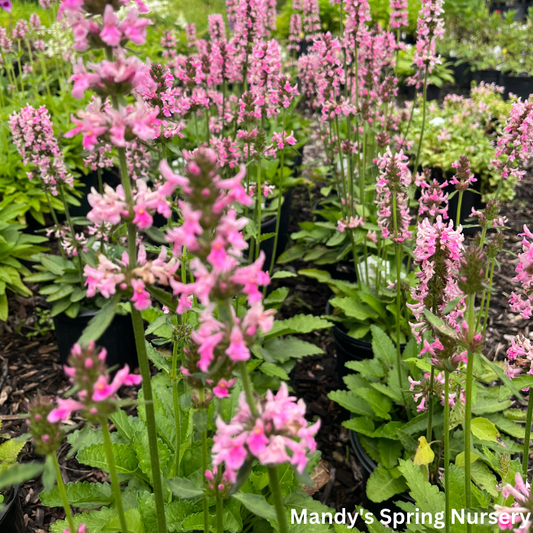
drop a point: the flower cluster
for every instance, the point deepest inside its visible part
(438, 252)
(87, 373)
(422, 388)
(392, 196)
(515, 518)
(519, 357)
(47, 436)
(398, 14)
(109, 276)
(464, 177)
(277, 434)
(515, 143)
(519, 303)
(433, 200)
(212, 234)
(34, 138)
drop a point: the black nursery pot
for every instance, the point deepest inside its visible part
(521, 86)
(369, 466)
(11, 516)
(488, 76)
(269, 226)
(432, 92)
(348, 348)
(118, 339)
(462, 75)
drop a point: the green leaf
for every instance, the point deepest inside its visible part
(361, 425)
(95, 456)
(257, 505)
(439, 324)
(60, 307)
(484, 429)
(354, 309)
(133, 521)
(380, 404)
(121, 422)
(298, 324)
(65, 290)
(185, 489)
(389, 453)
(507, 426)
(84, 495)
(9, 451)
(277, 296)
(367, 367)
(382, 346)
(4, 307)
(95, 521)
(349, 400)
(460, 459)
(381, 485)
(283, 349)
(484, 478)
(100, 321)
(19, 473)
(503, 376)
(142, 450)
(54, 264)
(427, 497)
(295, 252)
(281, 274)
(270, 369)
(162, 296)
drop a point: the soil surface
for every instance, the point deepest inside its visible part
(29, 364)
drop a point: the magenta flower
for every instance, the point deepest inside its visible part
(6, 5)
(87, 372)
(433, 200)
(279, 434)
(141, 297)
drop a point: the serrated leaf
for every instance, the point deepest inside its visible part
(94, 455)
(354, 404)
(427, 497)
(365, 426)
(84, 495)
(367, 367)
(389, 453)
(380, 404)
(381, 485)
(298, 324)
(382, 346)
(354, 309)
(291, 347)
(270, 369)
(484, 478)
(9, 451)
(505, 425)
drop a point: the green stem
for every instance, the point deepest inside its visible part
(45, 74)
(468, 404)
(177, 413)
(275, 489)
(447, 449)
(144, 365)
(247, 386)
(100, 182)
(259, 201)
(108, 446)
(72, 232)
(204, 468)
(424, 98)
(525, 458)
(459, 203)
(486, 318)
(280, 200)
(220, 515)
(196, 130)
(63, 494)
(397, 251)
(429, 433)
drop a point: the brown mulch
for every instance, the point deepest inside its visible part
(31, 365)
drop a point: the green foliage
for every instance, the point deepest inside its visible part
(15, 246)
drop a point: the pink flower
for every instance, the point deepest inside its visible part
(237, 351)
(221, 390)
(257, 440)
(64, 409)
(134, 28)
(110, 33)
(141, 297)
(142, 218)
